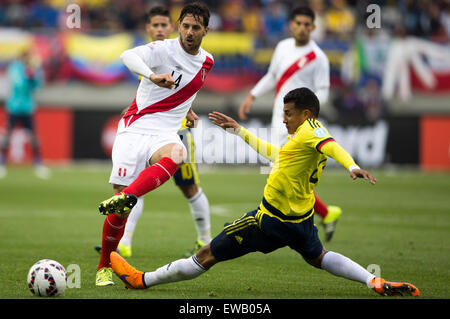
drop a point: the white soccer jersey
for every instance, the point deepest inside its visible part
(156, 108)
(293, 67)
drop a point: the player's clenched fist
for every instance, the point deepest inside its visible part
(163, 80)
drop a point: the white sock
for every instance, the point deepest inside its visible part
(199, 206)
(342, 266)
(181, 269)
(132, 220)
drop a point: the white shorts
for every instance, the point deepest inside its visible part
(132, 151)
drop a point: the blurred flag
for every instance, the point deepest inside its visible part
(96, 58)
(13, 42)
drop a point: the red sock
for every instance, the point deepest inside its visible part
(320, 207)
(152, 177)
(113, 229)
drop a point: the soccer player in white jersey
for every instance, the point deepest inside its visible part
(172, 71)
(159, 26)
(296, 62)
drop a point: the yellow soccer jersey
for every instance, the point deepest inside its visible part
(297, 169)
(183, 125)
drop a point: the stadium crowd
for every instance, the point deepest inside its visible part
(337, 21)
(263, 18)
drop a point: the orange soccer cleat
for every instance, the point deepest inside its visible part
(388, 288)
(133, 279)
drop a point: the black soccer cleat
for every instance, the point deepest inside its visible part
(118, 204)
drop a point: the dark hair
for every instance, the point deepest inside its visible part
(303, 98)
(304, 11)
(197, 9)
(157, 11)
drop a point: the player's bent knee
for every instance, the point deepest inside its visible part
(189, 191)
(176, 152)
(317, 262)
(205, 257)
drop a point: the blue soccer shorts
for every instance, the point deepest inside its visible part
(260, 232)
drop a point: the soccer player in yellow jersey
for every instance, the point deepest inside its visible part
(285, 215)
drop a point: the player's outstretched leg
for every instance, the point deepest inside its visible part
(388, 288)
(343, 266)
(133, 279)
(178, 270)
(120, 203)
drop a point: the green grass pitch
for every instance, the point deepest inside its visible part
(402, 224)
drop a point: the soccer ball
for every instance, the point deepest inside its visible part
(47, 278)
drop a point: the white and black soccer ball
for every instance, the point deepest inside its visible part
(47, 278)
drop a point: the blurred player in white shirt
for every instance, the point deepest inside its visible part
(296, 62)
(172, 71)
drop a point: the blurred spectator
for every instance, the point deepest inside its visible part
(275, 22)
(420, 17)
(445, 19)
(24, 79)
(41, 14)
(373, 45)
(215, 21)
(252, 19)
(231, 13)
(15, 14)
(267, 18)
(375, 107)
(340, 20)
(337, 22)
(175, 7)
(391, 16)
(349, 106)
(319, 33)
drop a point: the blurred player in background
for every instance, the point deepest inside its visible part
(159, 26)
(24, 80)
(285, 216)
(296, 62)
(172, 71)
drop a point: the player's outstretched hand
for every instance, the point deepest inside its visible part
(246, 106)
(191, 119)
(360, 173)
(224, 121)
(163, 80)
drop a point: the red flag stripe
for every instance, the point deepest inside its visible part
(297, 65)
(173, 100)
